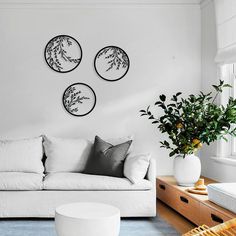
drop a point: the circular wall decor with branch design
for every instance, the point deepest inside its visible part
(79, 99)
(63, 53)
(111, 63)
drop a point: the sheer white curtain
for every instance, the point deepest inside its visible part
(226, 31)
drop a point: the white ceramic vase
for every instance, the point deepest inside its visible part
(187, 170)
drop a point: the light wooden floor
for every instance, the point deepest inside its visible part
(181, 224)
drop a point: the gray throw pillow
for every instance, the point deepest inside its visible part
(107, 159)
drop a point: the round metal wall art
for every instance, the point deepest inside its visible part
(111, 63)
(79, 99)
(63, 53)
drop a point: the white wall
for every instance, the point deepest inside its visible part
(211, 168)
(163, 44)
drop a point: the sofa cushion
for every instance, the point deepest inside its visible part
(136, 166)
(118, 140)
(223, 194)
(66, 155)
(79, 181)
(21, 155)
(20, 181)
(107, 159)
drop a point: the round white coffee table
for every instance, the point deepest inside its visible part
(87, 219)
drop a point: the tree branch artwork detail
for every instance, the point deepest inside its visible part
(73, 97)
(58, 53)
(76, 102)
(111, 63)
(117, 57)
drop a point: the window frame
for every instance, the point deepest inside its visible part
(232, 79)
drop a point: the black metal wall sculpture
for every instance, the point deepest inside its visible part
(79, 99)
(63, 53)
(111, 63)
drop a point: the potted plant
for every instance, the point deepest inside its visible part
(189, 123)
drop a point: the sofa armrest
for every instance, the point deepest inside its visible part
(151, 174)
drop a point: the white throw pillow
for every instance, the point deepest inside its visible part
(136, 166)
(21, 155)
(66, 155)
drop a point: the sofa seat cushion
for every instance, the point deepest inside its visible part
(79, 181)
(223, 194)
(20, 181)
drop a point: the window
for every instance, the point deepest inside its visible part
(226, 151)
(228, 74)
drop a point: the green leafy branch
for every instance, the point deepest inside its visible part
(190, 122)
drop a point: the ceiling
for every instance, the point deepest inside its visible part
(162, 2)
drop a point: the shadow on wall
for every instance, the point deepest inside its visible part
(118, 116)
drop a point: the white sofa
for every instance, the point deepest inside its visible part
(32, 193)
